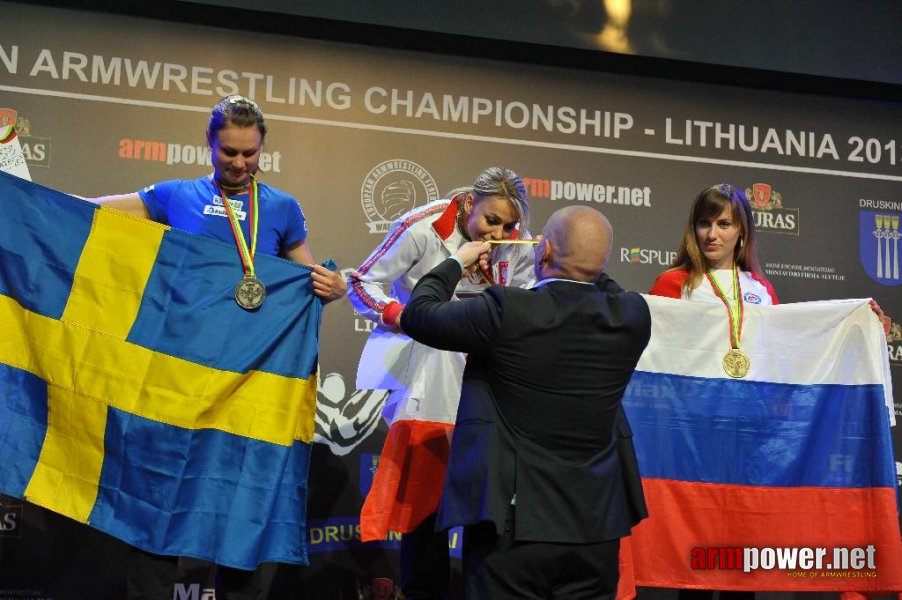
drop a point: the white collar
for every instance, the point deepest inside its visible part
(544, 281)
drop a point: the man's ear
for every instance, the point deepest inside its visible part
(547, 251)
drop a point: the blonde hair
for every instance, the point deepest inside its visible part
(498, 181)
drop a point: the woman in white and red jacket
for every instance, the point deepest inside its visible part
(719, 237)
(425, 383)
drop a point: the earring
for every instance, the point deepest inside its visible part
(740, 243)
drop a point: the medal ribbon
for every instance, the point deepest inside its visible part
(247, 254)
(734, 308)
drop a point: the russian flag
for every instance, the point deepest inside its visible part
(408, 482)
(795, 455)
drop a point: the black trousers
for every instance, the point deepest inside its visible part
(425, 563)
(497, 567)
(155, 577)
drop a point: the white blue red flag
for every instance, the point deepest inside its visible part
(783, 479)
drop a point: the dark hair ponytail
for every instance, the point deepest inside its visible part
(236, 110)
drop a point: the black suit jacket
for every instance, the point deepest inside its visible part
(540, 411)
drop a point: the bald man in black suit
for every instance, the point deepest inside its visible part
(542, 471)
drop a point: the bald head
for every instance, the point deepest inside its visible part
(577, 244)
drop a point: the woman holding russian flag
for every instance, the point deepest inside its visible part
(717, 261)
(425, 383)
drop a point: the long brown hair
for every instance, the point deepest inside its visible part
(709, 204)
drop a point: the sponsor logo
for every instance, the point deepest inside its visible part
(826, 273)
(575, 191)
(770, 214)
(185, 154)
(894, 343)
(879, 246)
(343, 421)
(392, 188)
(218, 209)
(192, 591)
(36, 150)
(647, 256)
(7, 124)
(891, 205)
(751, 298)
(835, 562)
(343, 533)
(10, 518)
(12, 159)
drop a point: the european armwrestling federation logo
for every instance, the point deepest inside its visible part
(391, 189)
(879, 247)
(344, 420)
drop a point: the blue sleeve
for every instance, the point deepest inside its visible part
(295, 224)
(156, 198)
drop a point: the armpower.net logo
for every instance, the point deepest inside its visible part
(797, 561)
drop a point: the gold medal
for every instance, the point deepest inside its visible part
(250, 293)
(736, 363)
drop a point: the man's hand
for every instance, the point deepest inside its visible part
(474, 255)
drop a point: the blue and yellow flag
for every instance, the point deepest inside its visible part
(136, 396)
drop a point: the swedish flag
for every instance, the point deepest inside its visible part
(136, 396)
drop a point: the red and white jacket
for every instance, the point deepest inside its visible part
(755, 289)
(416, 242)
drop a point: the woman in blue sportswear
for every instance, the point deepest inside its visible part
(235, 134)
